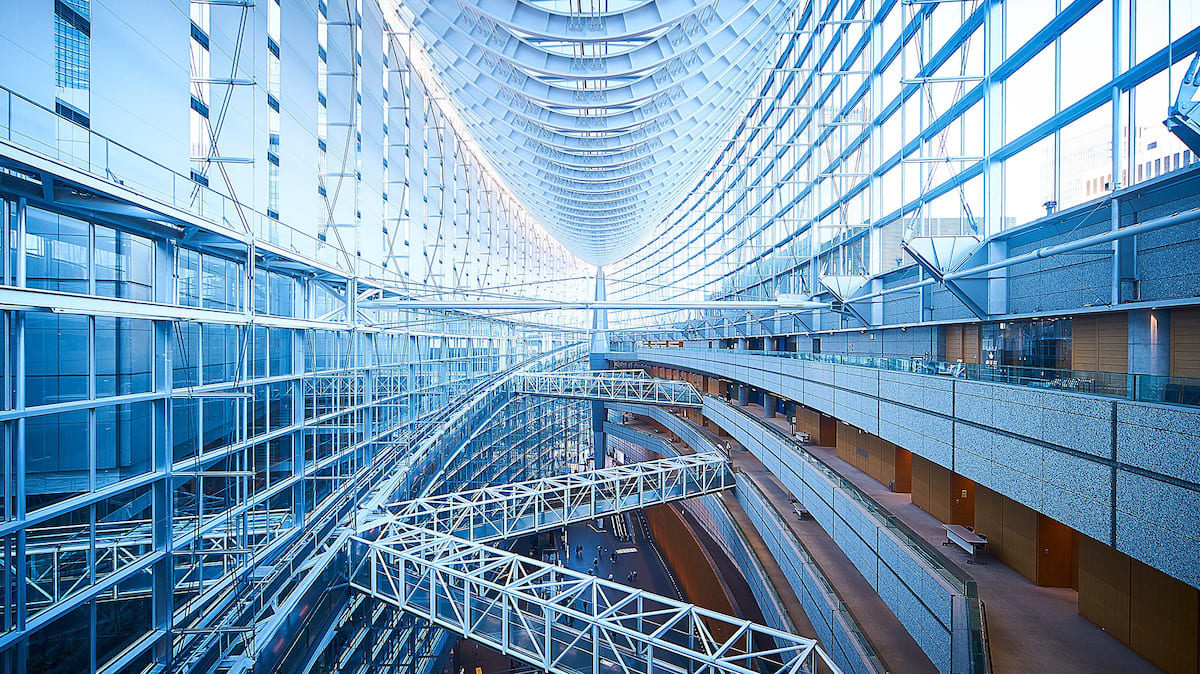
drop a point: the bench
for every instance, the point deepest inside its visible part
(801, 512)
(966, 539)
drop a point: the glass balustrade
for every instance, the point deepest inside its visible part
(1139, 387)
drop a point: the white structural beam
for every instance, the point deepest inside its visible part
(561, 620)
(468, 304)
(506, 511)
(629, 386)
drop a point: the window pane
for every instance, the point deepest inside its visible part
(64, 645)
(56, 252)
(186, 355)
(124, 363)
(56, 457)
(124, 265)
(56, 351)
(124, 442)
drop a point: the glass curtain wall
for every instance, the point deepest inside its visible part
(885, 120)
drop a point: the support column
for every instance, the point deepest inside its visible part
(1150, 342)
(768, 406)
(598, 360)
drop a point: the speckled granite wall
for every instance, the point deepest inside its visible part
(1125, 473)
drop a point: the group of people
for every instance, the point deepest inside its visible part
(630, 577)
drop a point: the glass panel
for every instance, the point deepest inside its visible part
(57, 557)
(186, 356)
(281, 404)
(281, 351)
(64, 645)
(283, 290)
(124, 442)
(1086, 158)
(220, 422)
(124, 265)
(221, 283)
(124, 349)
(189, 277)
(56, 457)
(121, 622)
(123, 530)
(220, 353)
(185, 428)
(56, 354)
(1087, 54)
(56, 252)
(259, 354)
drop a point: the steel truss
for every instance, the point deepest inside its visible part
(629, 386)
(495, 513)
(562, 620)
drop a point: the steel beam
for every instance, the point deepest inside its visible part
(495, 513)
(561, 620)
(631, 386)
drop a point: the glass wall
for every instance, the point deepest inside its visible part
(220, 430)
(884, 121)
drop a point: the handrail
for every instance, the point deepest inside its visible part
(834, 598)
(1150, 388)
(930, 554)
(976, 622)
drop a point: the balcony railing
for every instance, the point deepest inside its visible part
(1140, 387)
(922, 550)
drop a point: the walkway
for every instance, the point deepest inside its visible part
(1031, 628)
(891, 641)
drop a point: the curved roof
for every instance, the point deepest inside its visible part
(599, 120)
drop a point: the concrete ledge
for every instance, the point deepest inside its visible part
(1085, 460)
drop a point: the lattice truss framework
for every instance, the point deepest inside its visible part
(506, 511)
(631, 386)
(427, 556)
(562, 620)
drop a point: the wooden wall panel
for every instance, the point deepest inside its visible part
(1020, 538)
(1185, 343)
(962, 343)
(931, 488)
(1104, 587)
(903, 470)
(867, 452)
(962, 501)
(1100, 342)
(970, 344)
(989, 519)
(920, 483)
(1055, 555)
(1143, 608)
(826, 430)
(845, 445)
(954, 343)
(940, 486)
(808, 421)
(690, 563)
(1163, 626)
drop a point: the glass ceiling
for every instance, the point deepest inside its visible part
(599, 114)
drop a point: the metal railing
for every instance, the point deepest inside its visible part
(918, 546)
(1137, 387)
